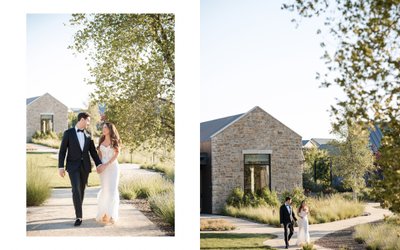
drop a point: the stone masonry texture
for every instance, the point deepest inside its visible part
(257, 130)
(45, 104)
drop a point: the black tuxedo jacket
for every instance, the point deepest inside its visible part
(285, 216)
(76, 157)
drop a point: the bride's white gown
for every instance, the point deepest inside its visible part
(108, 196)
(303, 235)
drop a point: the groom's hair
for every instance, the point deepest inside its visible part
(288, 198)
(83, 115)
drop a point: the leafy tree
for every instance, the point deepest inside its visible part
(353, 158)
(319, 159)
(131, 59)
(93, 110)
(366, 65)
(387, 190)
(72, 119)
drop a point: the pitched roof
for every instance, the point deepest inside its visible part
(33, 99)
(304, 142)
(208, 128)
(29, 100)
(321, 141)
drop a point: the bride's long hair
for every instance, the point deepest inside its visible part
(114, 136)
(302, 206)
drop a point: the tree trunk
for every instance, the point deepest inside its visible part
(354, 195)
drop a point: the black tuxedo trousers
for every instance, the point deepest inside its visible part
(79, 178)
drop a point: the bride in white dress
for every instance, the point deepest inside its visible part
(303, 235)
(108, 196)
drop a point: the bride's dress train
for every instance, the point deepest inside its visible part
(303, 235)
(108, 197)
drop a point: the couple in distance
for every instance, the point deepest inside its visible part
(288, 218)
(76, 146)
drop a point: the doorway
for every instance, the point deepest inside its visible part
(205, 184)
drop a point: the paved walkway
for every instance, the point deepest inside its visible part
(56, 217)
(36, 148)
(316, 231)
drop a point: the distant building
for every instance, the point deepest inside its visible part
(252, 151)
(45, 113)
(375, 137)
(319, 143)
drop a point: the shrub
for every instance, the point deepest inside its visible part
(236, 197)
(263, 214)
(253, 200)
(127, 191)
(366, 195)
(46, 135)
(378, 236)
(158, 190)
(308, 246)
(239, 199)
(271, 198)
(37, 185)
(297, 196)
(167, 170)
(215, 225)
(164, 206)
(333, 208)
(145, 186)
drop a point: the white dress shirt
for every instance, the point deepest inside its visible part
(289, 208)
(81, 137)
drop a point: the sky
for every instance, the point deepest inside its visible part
(52, 67)
(253, 55)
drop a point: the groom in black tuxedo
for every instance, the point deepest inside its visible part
(287, 219)
(79, 145)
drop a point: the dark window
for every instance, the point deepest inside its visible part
(46, 123)
(257, 172)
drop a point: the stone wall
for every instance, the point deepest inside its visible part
(45, 104)
(257, 130)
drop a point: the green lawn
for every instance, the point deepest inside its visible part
(233, 241)
(49, 164)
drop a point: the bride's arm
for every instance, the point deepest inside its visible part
(99, 153)
(115, 156)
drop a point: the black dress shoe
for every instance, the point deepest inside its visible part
(78, 222)
(287, 247)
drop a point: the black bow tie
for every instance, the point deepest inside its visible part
(79, 130)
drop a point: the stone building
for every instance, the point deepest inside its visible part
(251, 150)
(45, 113)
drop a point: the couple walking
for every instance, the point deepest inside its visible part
(76, 146)
(288, 218)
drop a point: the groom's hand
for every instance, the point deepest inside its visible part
(61, 172)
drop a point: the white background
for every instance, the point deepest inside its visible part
(13, 124)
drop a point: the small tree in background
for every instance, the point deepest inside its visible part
(93, 110)
(354, 157)
(316, 160)
(72, 119)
